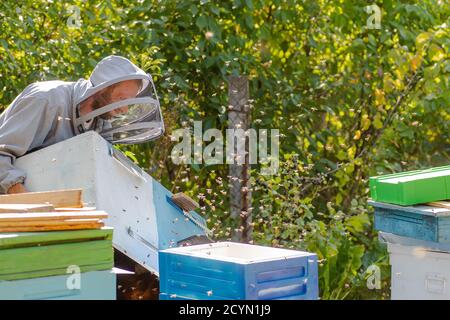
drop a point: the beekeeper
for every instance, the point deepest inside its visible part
(118, 101)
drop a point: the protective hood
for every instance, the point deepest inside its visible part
(130, 121)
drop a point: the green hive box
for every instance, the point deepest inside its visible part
(41, 254)
(413, 187)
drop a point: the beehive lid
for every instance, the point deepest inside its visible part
(237, 252)
(420, 209)
(415, 176)
(413, 187)
(386, 237)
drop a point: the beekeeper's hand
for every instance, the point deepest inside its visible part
(17, 188)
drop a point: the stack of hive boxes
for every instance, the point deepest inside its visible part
(414, 220)
(236, 271)
(60, 253)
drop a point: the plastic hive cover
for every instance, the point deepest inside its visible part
(413, 187)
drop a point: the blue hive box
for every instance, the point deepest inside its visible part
(95, 285)
(421, 222)
(236, 271)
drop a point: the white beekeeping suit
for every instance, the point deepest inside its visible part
(48, 112)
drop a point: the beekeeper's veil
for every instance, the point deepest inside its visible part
(128, 121)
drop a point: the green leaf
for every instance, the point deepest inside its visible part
(358, 43)
(422, 38)
(202, 22)
(357, 224)
(249, 22)
(430, 73)
(436, 52)
(372, 40)
(194, 10)
(377, 123)
(4, 43)
(215, 10)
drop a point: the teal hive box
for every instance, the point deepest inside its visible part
(420, 222)
(94, 285)
(236, 271)
(414, 187)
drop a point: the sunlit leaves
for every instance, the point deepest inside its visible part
(316, 72)
(436, 53)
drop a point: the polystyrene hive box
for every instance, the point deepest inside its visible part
(139, 208)
(94, 285)
(418, 273)
(227, 270)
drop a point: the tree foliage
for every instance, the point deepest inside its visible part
(350, 102)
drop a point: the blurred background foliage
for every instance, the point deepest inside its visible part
(350, 102)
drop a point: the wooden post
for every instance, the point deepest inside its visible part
(240, 193)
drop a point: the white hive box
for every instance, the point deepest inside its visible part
(418, 271)
(140, 209)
